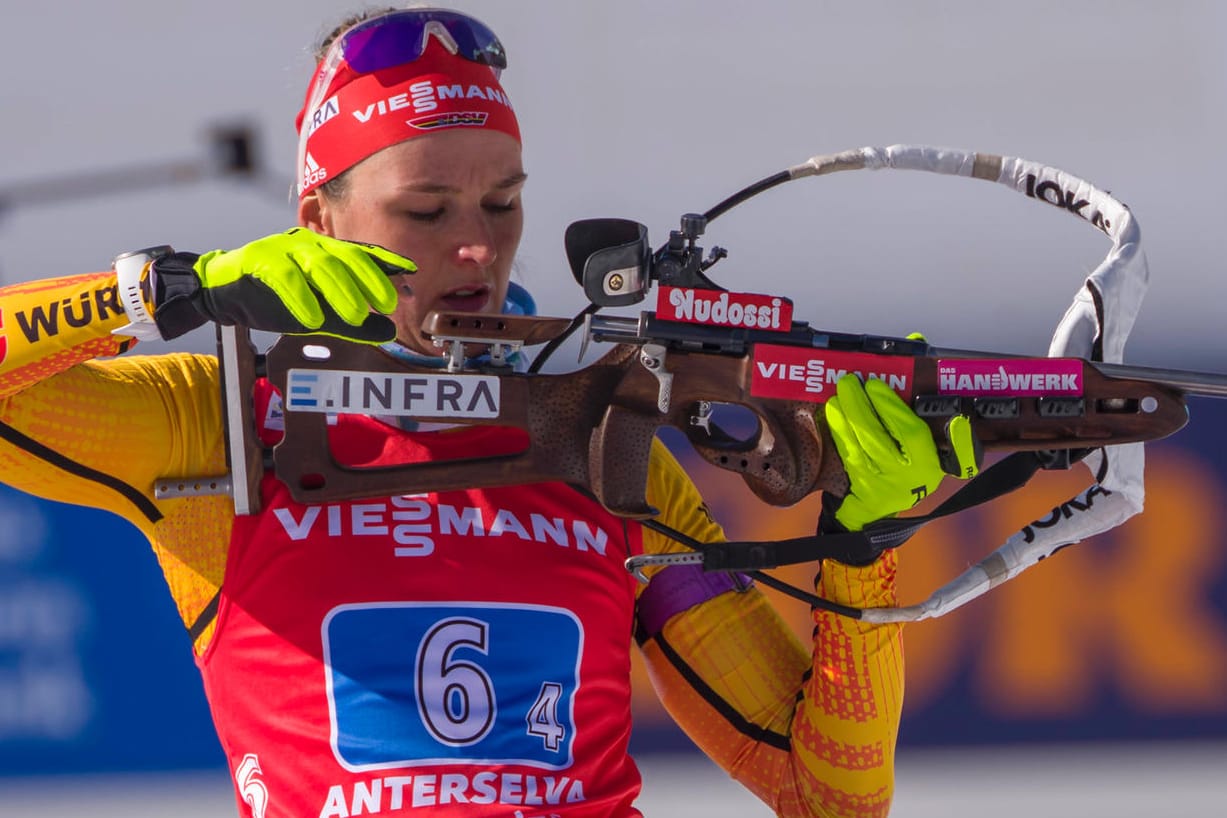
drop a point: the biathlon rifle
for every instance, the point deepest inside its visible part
(705, 346)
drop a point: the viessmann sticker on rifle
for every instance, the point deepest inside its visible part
(382, 393)
(720, 308)
(800, 373)
(1030, 377)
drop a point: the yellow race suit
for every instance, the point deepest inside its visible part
(810, 731)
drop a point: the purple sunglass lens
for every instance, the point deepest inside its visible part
(397, 39)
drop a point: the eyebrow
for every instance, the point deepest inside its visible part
(514, 180)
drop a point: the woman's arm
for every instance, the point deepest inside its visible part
(84, 429)
(809, 731)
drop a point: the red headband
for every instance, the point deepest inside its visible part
(366, 113)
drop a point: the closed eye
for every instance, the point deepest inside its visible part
(425, 216)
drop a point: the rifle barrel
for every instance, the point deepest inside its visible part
(1206, 384)
(636, 330)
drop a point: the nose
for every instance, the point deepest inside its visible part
(476, 243)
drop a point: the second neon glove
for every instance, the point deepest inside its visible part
(888, 452)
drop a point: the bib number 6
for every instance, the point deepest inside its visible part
(455, 697)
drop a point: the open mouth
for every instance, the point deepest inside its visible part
(467, 299)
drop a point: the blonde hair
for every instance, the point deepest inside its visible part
(321, 47)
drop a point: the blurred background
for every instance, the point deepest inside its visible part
(1094, 685)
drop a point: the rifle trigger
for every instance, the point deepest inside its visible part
(702, 417)
(652, 356)
(583, 345)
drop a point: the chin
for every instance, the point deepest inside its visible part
(421, 346)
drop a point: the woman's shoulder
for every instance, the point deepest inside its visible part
(169, 366)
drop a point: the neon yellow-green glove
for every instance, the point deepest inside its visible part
(888, 452)
(294, 282)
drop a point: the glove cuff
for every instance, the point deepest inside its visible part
(827, 524)
(858, 554)
(132, 271)
(176, 295)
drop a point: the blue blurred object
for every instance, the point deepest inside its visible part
(96, 671)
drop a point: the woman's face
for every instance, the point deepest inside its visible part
(451, 202)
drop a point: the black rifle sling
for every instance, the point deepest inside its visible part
(1010, 473)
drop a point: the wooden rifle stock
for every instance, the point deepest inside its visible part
(594, 427)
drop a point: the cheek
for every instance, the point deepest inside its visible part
(349, 220)
(418, 243)
(508, 237)
(405, 289)
(514, 228)
(408, 319)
